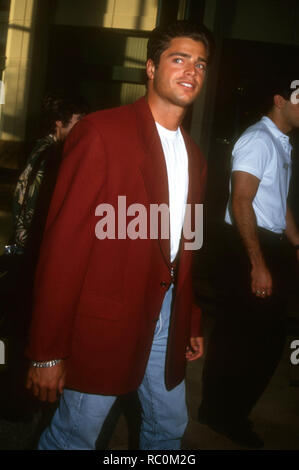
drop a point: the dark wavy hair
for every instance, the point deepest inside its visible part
(161, 36)
(59, 108)
(279, 85)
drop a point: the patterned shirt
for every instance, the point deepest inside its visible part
(27, 190)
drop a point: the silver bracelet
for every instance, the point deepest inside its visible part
(46, 363)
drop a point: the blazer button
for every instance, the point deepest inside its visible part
(163, 284)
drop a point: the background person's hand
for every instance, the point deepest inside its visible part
(261, 281)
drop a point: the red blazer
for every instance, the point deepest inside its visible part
(97, 301)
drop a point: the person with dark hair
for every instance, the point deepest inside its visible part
(257, 273)
(30, 208)
(59, 115)
(115, 313)
(160, 38)
(284, 86)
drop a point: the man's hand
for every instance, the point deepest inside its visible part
(261, 281)
(195, 350)
(46, 382)
(244, 189)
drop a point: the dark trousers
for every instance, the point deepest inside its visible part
(247, 341)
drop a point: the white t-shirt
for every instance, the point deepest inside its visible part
(176, 158)
(265, 152)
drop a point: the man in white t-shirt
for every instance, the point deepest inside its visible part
(115, 313)
(258, 268)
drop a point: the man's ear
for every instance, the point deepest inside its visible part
(279, 101)
(150, 69)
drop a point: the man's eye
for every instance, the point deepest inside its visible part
(201, 66)
(178, 60)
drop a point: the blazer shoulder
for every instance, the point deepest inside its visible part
(112, 118)
(193, 147)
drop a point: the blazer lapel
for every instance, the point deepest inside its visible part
(184, 255)
(190, 165)
(152, 164)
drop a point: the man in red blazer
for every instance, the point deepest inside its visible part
(114, 307)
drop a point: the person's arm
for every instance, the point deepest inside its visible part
(244, 189)
(63, 259)
(196, 348)
(46, 383)
(292, 231)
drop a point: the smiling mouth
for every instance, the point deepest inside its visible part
(187, 85)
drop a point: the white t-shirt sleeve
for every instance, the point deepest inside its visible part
(252, 155)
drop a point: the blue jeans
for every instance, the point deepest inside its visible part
(80, 416)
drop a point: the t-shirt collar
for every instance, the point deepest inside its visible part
(274, 129)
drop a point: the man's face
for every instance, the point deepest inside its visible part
(66, 129)
(63, 130)
(180, 74)
(290, 112)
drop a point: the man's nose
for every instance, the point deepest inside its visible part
(190, 69)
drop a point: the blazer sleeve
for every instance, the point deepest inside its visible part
(196, 322)
(67, 243)
(196, 327)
